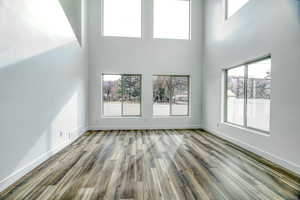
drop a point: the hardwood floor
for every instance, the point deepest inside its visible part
(154, 164)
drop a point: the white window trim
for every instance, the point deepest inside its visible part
(189, 98)
(224, 97)
(122, 115)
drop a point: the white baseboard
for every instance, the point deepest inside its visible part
(273, 158)
(134, 127)
(6, 182)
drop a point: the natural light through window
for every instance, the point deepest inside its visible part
(171, 95)
(234, 5)
(121, 95)
(248, 95)
(122, 18)
(259, 95)
(235, 95)
(172, 19)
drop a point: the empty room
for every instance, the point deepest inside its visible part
(149, 99)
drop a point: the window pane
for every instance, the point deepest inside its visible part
(259, 94)
(180, 97)
(235, 95)
(122, 18)
(234, 5)
(131, 95)
(172, 19)
(112, 92)
(161, 95)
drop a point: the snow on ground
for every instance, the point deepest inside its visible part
(258, 111)
(114, 109)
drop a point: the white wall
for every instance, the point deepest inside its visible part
(27, 29)
(73, 11)
(145, 56)
(259, 28)
(43, 96)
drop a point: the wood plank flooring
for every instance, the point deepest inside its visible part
(152, 165)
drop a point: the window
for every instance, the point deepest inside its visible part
(232, 6)
(172, 19)
(122, 18)
(259, 95)
(171, 95)
(235, 95)
(248, 95)
(121, 95)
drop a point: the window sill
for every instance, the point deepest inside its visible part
(248, 130)
(122, 117)
(121, 37)
(172, 39)
(171, 116)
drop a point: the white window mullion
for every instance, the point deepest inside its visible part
(245, 95)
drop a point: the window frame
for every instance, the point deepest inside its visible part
(119, 36)
(122, 101)
(165, 38)
(225, 95)
(171, 95)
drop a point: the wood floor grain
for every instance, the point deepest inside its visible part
(152, 165)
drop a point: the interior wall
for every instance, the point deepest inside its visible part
(73, 11)
(261, 27)
(43, 98)
(146, 56)
(27, 29)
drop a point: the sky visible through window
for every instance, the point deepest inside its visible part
(262, 69)
(265, 64)
(172, 19)
(111, 77)
(122, 18)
